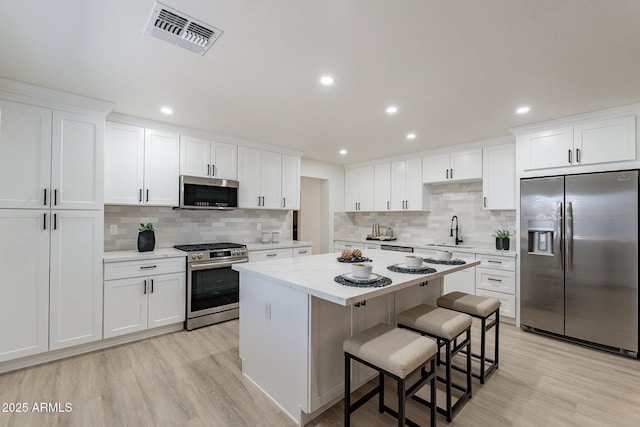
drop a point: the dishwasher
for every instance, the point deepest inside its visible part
(396, 248)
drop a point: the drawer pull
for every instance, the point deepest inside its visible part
(494, 262)
(494, 280)
(302, 252)
(270, 255)
(146, 267)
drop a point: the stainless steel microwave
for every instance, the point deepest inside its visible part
(208, 193)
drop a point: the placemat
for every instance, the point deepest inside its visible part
(396, 268)
(384, 281)
(444, 262)
(358, 259)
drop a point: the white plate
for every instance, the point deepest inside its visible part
(351, 278)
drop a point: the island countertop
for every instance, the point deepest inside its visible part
(315, 275)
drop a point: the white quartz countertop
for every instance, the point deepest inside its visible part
(315, 275)
(118, 256)
(280, 245)
(472, 249)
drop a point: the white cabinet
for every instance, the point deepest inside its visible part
(382, 187)
(463, 165)
(424, 293)
(50, 158)
(260, 177)
(270, 254)
(499, 177)
(141, 166)
(496, 277)
(302, 251)
(463, 281)
(290, 182)
(407, 190)
(77, 239)
(359, 189)
(208, 159)
(610, 140)
(24, 283)
(141, 295)
(51, 298)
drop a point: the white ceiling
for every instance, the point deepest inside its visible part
(456, 69)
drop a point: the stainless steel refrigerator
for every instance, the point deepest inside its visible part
(579, 258)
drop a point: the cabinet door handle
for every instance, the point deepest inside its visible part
(44, 223)
(145, 267)
(147, 195)
(45, 197)
(151, 285)
(208, 170)
(387, 205)
(447, 173)
(55, 197)
(577, 155)
(494, 280)
(284, 202)
(569, 156)
(55, 221)
(424, 283)
(302, 252)
(494, 262)
(140, 196)
(406, 204)
(271, 255)
(258, 200)
(145, 288)
(213, 170)
(485, 202)
(451, 173)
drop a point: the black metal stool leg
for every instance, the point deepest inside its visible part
(381, 393)
(483, 341)
(347, 390)
(401, 402)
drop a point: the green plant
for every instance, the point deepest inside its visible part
(148, 227)
(503, 234)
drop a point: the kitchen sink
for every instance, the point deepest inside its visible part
(447, 245)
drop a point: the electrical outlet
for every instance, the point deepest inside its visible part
(113, 229)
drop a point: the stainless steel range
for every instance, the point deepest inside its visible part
(212, 286)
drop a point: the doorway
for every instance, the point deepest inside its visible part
(313, 218)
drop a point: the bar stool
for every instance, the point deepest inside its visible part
(446, 327)
(394, 352)
(481, 308)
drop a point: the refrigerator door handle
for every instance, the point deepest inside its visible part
(557, 240)
(569, 236)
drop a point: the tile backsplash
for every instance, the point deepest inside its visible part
(476, 225)
(174, 227)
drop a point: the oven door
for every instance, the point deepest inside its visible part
(212, 287)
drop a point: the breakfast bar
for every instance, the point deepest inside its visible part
(294, 317)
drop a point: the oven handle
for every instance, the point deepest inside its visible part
(210, 265)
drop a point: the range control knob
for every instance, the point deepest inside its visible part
(194, 256)
(200, 255)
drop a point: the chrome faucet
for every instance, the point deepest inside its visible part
(458, 241)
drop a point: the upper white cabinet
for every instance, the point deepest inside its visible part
(407, 189)
(382, 187)
(260, 177)
(499, 177)
(359, 189)
(208, 159)
(463, 165)
(50, 158)
(290, 182)
(141, 166)
(611, 140)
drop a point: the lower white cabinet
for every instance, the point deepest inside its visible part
(496, 277)
(145, 300)
(267, 254)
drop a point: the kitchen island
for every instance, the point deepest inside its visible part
(294, 318)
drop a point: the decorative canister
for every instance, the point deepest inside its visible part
(275, 237)
(265, 237)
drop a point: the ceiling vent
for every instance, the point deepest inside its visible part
(181, 29)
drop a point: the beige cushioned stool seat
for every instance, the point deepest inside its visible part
(435, 321)
(475, 305)
(395, 350)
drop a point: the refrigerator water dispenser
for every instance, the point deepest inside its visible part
(540, 237)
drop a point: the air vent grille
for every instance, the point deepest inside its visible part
(178, 28)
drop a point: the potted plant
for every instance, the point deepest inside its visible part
(146, 238)
(502, 239)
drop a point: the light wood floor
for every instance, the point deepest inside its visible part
(194, 379)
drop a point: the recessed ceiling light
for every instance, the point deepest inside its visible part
(343, 152)
(523, 110)
(411, 136)
(326, 80)
(166, 110)
(392, 109)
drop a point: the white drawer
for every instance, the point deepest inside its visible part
(270, 254)
(340, 245)
(497, 261)
(496, 280)
(302, 251)
(507, 302)
(371, 246)
(127, 269)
